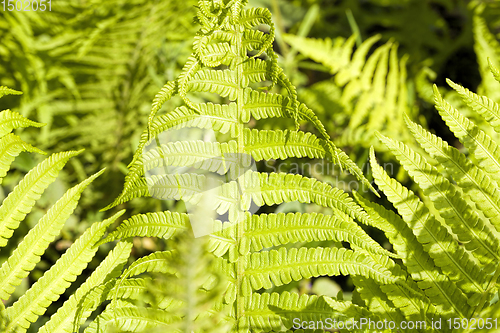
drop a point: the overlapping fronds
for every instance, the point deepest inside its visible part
(181, 150)
(370, 91)
(87, 63)
(26, 310)
(449, 240)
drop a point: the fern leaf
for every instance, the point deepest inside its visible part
(7, 91)
(479, 143)
(266, 231)
(494, 70)
(486, 47)
(264, 145)
(462, 219)
(190, 187)
(160, 224)
(256, 70)
(10, 120)
(270, 312)
(407, 297)
(452, 259)
(386, 99)
(192, 65)
(439, 289)
(222, 83)
(484, 106)
(210, 156)
(213, 116)
(276, 188)
(472, 180)
(275, 268)
(161, 97)
(223, 239)
(355, 68)
(10, 147)
(65, 320)
(53, 283)
(132, 319)
(252, 17)
(376, 301)
(216, 54)
(268, 105)
(28, 252)
(21, 200)
(334, 54)
(151, 263)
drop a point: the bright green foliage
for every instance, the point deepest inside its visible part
(93, 62)
(449, 241)
(13, 210)
(371, 91)
(488, 52)
(176, 300)
(255, 254)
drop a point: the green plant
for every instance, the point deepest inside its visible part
(93, 62)
(448, 240)
(26, 310)
(260, 255)
(367, 93)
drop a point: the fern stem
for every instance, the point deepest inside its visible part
(241, 262)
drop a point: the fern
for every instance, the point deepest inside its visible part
(372, 90)
(488, 52)
(448, 241)
(220, 65)
(26, 310)
(93, 62)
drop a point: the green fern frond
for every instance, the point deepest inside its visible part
(435, 239)
(150, 263)
(271, 312)
(161, 97)
(463, 220)
(275, 188)
(10, 120)
(57, 279)
(28, 252)
(67, 319)
(334, 54)
(494, 70)
(479, 143)
(487, 49)
(484, 106)
(160, 224)
(376, 301)
(10, 147)
(131, 319)
(224, 63)
(278, 267)
(437, 286)
(267, 231)
(373, 89)
(21, 200)
(471, 179)
(7, 91)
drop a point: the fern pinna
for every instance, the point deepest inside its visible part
(256, 254)
(33, 304)
(448, 240)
